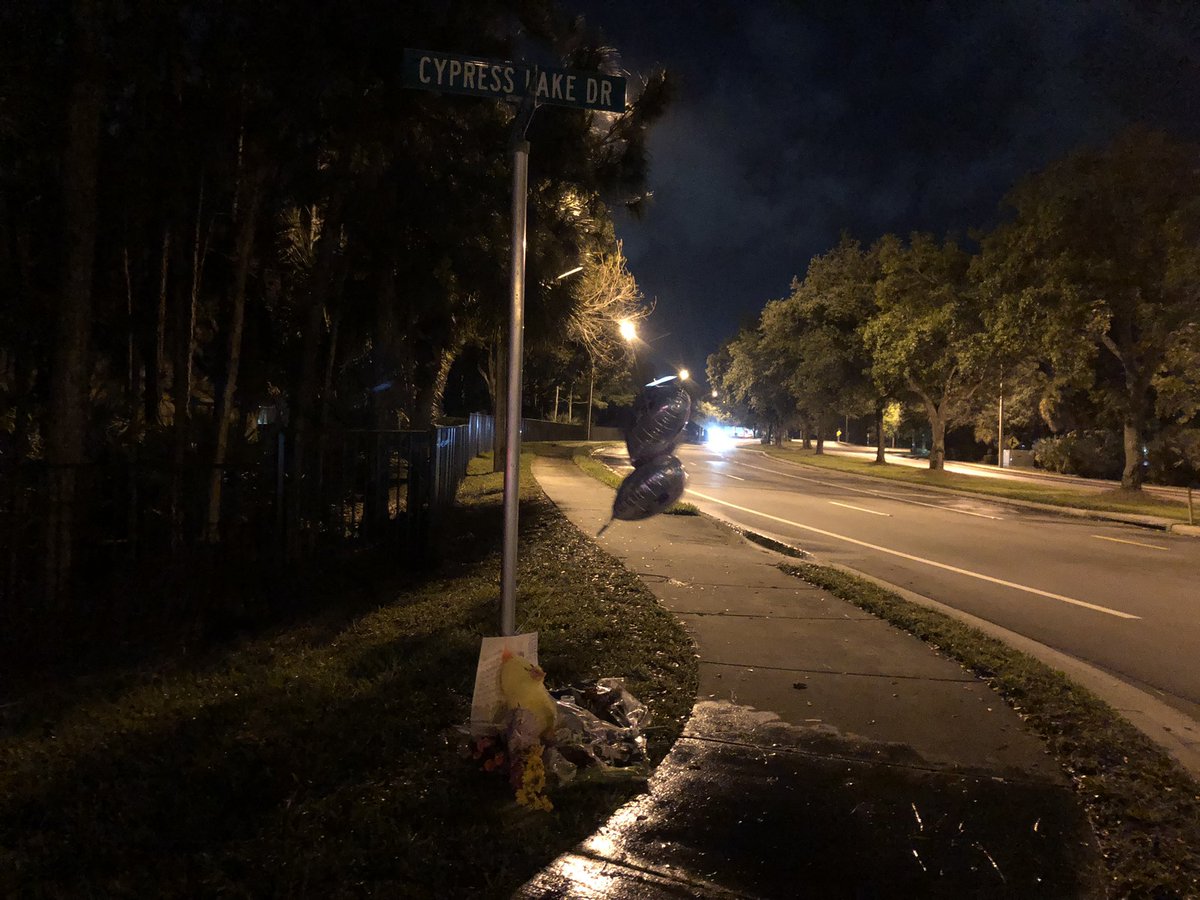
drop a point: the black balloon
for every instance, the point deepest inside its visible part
(649, 489)
(661, 413)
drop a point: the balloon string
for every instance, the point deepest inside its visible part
(604, 528)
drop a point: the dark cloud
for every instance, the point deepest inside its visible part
(798, 121)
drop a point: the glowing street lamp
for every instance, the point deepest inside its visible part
(684, 374)
(628, 329)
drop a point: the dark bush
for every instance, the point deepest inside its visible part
(1174, 456)
(1092, 454)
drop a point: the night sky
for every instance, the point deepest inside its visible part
(794, 122)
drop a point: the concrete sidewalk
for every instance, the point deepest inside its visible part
(828, 754)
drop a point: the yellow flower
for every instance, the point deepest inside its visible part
(533, 783)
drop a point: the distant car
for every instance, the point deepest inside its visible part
(919, 453)
(694, 434)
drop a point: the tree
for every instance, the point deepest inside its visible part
(926, 333)
(819, 328)
(66, 428)
(754, 381)
(1098, 270)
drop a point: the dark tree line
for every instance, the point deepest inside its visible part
(214, 214)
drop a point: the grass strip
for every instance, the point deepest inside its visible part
(1135, 502)
(1144, 808)
(321, 760)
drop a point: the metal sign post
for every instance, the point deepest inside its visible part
(516, 344)
(532, 86)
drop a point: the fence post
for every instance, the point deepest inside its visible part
(279, 470)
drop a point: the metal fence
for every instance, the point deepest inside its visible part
(543, 430)
(135, 520)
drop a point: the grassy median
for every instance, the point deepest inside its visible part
(321, 760)
(1120, 501)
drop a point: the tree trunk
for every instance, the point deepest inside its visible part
(937, 453)
(306, 393)
(69, 378)
(181, 388)
(1133, 474)
(500, 405)
(383, 397)
(431, 395)
(1134, 423)
(154, 361)
(820, 451)
(327, 399)
(880, 456)
(383, 411)
(131, 377)
(241, 271)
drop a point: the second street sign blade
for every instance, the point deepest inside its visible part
(475, 76)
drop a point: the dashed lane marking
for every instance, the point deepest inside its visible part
(861, 509)
(1101, 537)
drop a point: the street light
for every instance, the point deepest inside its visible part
(683, 374)
(628, 330)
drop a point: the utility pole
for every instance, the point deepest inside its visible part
(1000, 429)
(591, 386)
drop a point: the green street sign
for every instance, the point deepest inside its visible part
(450, 73)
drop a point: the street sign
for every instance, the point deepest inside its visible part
(450, 73)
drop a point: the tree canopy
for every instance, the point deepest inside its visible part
(1082, 308)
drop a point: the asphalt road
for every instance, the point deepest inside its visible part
(1122, 598)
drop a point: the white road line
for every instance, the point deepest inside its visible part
(962, 512)
(1101, 537)
(860, 509)
(727, 475)
(923, 561)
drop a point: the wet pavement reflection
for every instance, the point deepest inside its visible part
(748, 806)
